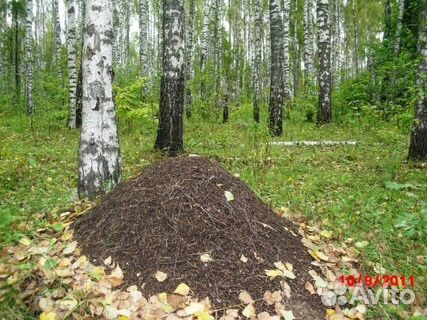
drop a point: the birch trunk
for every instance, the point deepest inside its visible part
(257, 62)
(57, 32)
(189, 58)
(355, 39)
(387, 20)
(204, 51)
(308, 46)
(29, 56)
(143, 38)
(127, 33)
(170, 131)
(276, 72)
(100, 162)
(418, 143)
(286, 42)
(324, 114)
(72, 69)
(397, 44)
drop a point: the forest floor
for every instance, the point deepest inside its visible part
(365, 193)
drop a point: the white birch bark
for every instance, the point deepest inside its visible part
(286, 43)
(308, 45)
(99, 155)
(29, 56)
(399, 26)
(143, 38)
(276, 71)
(57, 32)
(170, 130)
(257, 62)
(324, 114)
(189, 57)
(204, 44)
(72, 68)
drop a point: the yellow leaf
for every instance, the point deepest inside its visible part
(160, 276)
(206, 257)
(288, 274)
(314, 255)
(48, 316)
(203, 316)
(182, 289)
(25, 242)
(249, 311)
(273, 273)
(122, 318)
(326, 234)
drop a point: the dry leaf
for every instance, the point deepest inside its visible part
(310, 287)
(69, 249)
(206, 258)
(182, 289)
(160, 276)
(249, 311)
(116, 276)
(108, 261)
(245, 297)
(229, 196)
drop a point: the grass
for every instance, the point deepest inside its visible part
(365, 192)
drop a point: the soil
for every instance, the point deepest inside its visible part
(174, 212)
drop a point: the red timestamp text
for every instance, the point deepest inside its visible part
(378, 280)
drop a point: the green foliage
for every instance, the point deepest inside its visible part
(384, 91)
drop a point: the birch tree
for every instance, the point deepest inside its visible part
(29, 56)
(308, 46)
(143, 38)
(204, 44)
(257, 62)
(57, 33)
(276, 72)
(324, 113)
(99, 155)
(189, 57)
(418, 142)
(170, 130)
(397, 43)
(72, 69)
(286, 43)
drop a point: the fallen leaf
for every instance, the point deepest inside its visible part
(116, 276)
(229, 196)
(288, 315)
(206, 258)
(24, 241)
(310, 287)
(48, 316)
(361, 244)
(249, 311)
(245, 297)
(326, 234)
(182, 289)
(273, 273)
(108, 261)
(160, 276)
(69, 249)
(243, 258)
